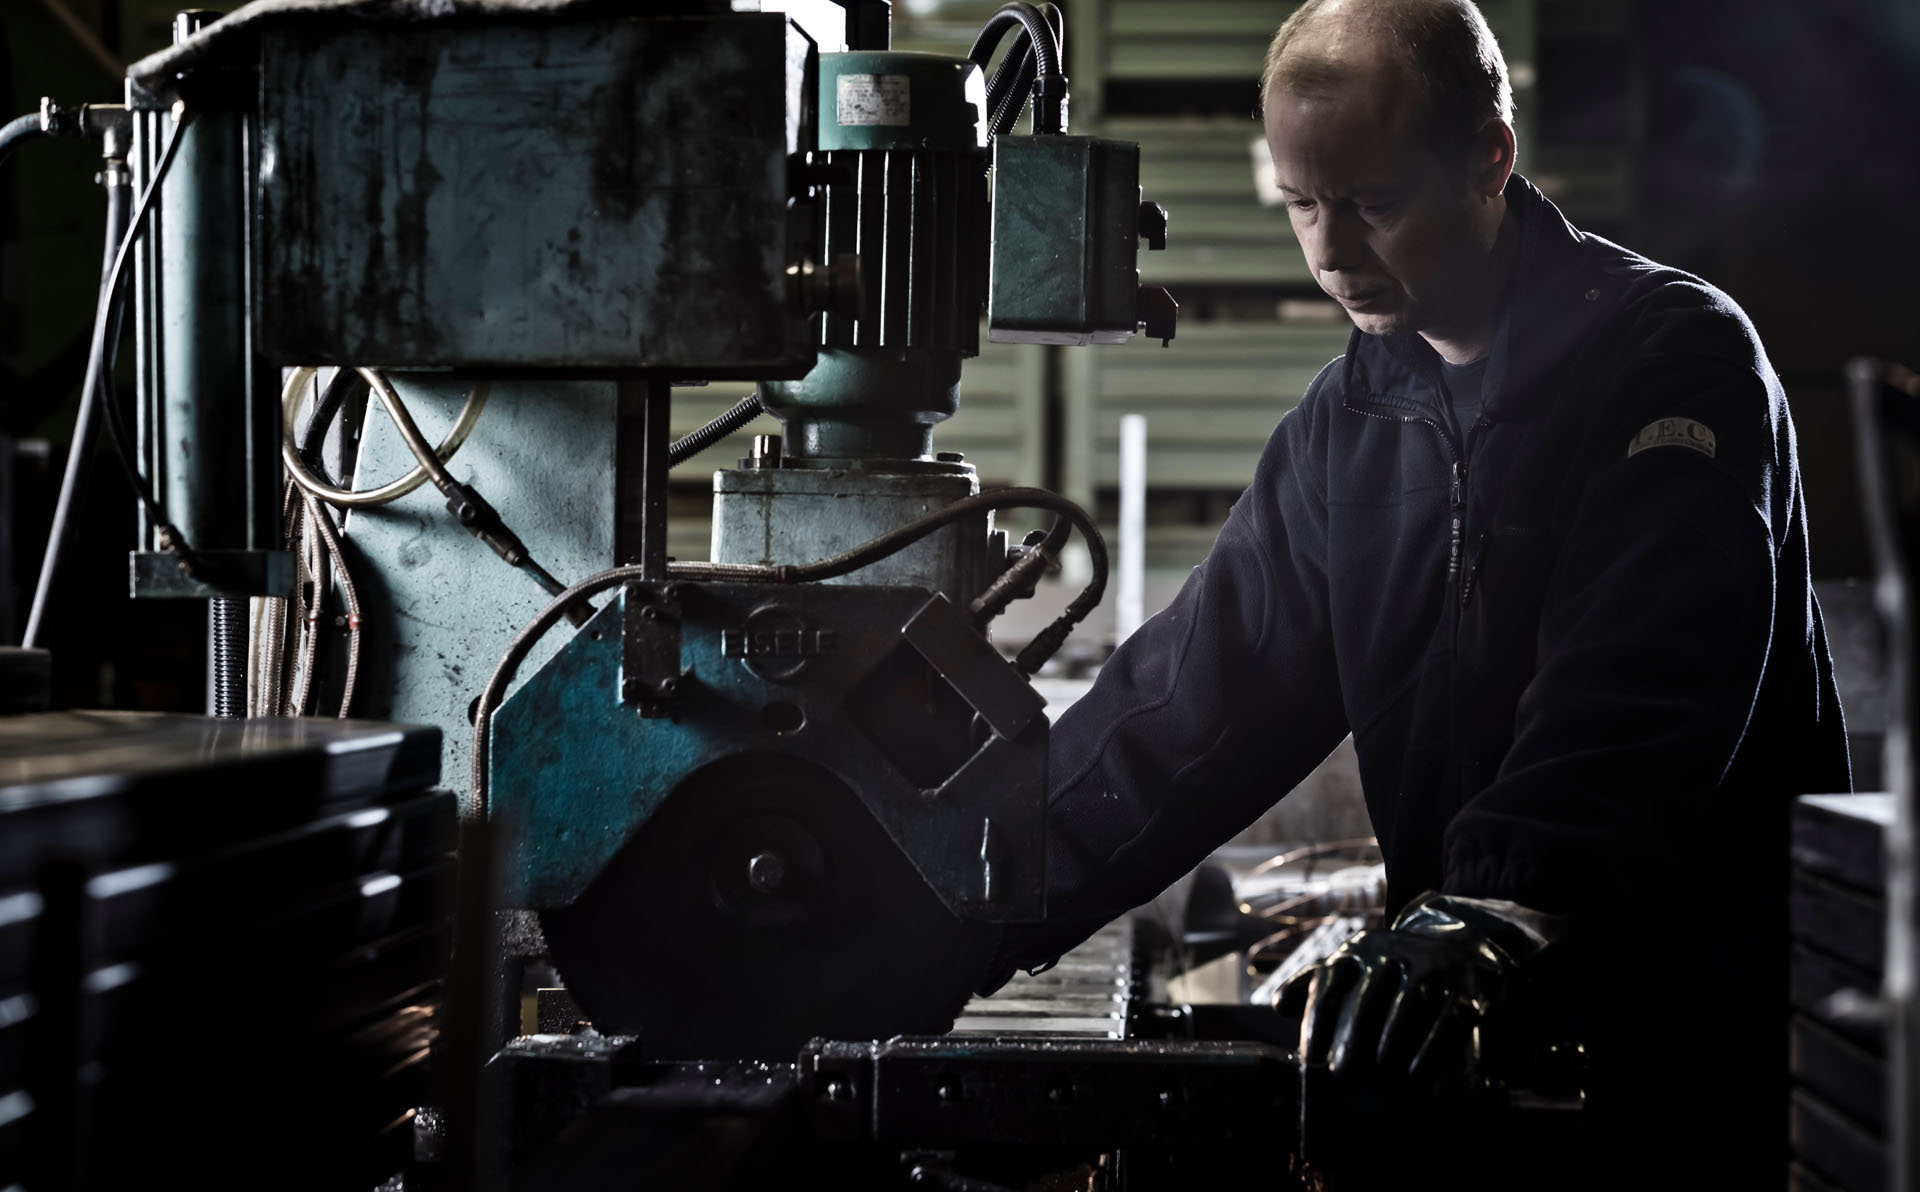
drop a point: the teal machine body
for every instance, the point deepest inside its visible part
(803, 756)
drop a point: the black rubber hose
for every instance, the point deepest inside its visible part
(1008, 90)
(15, 131)
(73, 484)
(694, 442)
(332, 400)
(106, 320)
(1028, 17)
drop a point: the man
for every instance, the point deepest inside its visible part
(1538, 542)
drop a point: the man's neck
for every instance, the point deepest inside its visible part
(1468, 335)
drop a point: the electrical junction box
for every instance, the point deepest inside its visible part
(1067, 222)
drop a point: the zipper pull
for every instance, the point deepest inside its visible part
(1454, 536)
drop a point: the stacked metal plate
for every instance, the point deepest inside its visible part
(1084, 996)
(221, 943)
(1839, 926)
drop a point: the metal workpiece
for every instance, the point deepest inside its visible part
(1089, 993)
(1067, 224)
(796, 515)
(1099, 1093)
(568, 195)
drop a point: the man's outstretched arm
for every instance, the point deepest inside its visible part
(1207, 714)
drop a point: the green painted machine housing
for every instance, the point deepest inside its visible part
(1066, 239)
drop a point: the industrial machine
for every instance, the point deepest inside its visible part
(765, 814)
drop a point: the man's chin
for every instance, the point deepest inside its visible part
(1378, 322)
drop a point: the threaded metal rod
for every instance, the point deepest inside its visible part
(227, 656)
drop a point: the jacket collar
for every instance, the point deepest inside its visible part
(1549, 307)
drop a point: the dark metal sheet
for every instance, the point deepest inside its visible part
(1056, 1092)
(1843, 838)
(144, 908)
(1849, 1077)
(107, 788)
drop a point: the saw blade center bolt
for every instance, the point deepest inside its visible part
(766, 872)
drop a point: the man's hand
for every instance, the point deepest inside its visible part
(1405, 1004)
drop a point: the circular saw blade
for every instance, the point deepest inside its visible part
(759, 907)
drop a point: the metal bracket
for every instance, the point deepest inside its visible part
(948, 641)
(650, 670)
(155, 574)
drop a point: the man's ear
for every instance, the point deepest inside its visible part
(1491, 162)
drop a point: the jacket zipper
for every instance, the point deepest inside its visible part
(1456, 496)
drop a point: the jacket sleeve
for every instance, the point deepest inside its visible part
(1206, 715)
(1657, 628)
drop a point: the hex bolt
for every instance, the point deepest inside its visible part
(948, 1093)
(767, 872)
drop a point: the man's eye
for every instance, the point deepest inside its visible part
(1301, 204)
(1375, 210)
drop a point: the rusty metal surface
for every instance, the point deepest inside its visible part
(590, 195)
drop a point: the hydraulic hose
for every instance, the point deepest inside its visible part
(61, 532)
(323, 522)
(25, 128)
(694, 442)
(431, 460)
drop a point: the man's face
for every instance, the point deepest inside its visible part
(1388, 233)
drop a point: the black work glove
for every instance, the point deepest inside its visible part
(1404, 1005)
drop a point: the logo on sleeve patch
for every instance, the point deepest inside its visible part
(1673, 432)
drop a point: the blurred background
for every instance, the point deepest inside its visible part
(1767, 145)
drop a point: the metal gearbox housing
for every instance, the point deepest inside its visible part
(892, 691)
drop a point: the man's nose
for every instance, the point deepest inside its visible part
(1334, 243)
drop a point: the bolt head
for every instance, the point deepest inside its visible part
(767, 872)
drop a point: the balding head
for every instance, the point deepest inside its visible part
(1433, 57)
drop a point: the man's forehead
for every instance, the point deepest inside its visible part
(1342, 112)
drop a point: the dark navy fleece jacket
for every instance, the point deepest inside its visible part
(1576, 643)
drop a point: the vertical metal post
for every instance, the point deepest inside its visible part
(640, 475)
(205, 358)
(144, 299)
(1131, 609)
(1900, 990)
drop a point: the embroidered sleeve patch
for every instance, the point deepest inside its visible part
(1673, 432)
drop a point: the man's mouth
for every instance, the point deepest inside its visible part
(1363, 299)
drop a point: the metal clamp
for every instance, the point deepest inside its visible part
(650, 670)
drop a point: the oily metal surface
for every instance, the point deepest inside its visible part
(763, 906)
